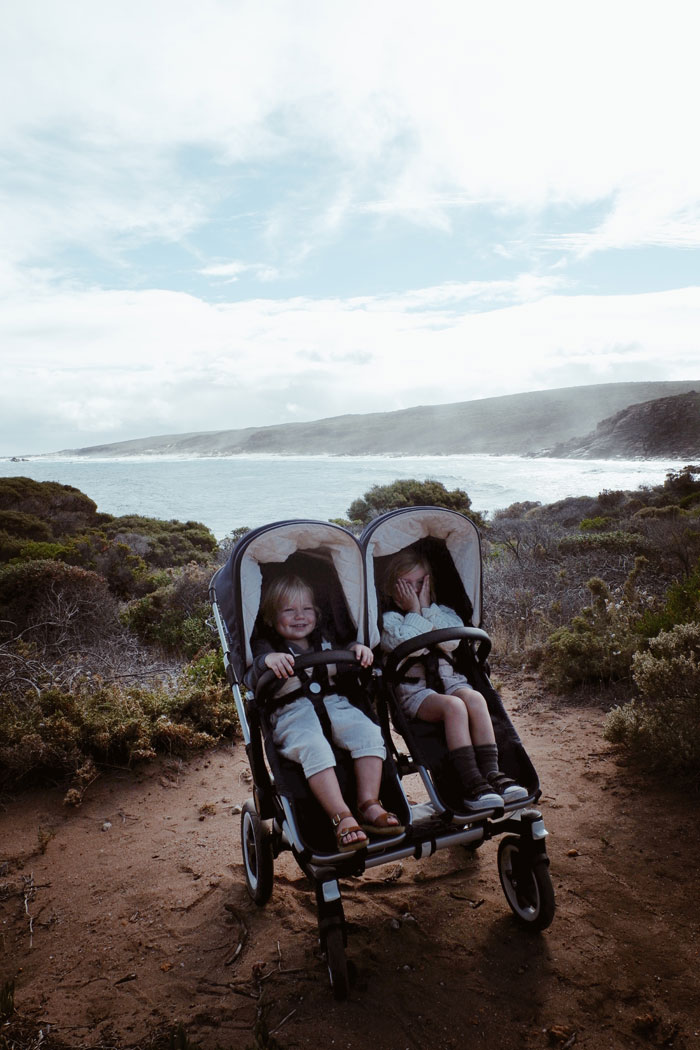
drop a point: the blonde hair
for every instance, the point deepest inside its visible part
(279, 592)
(399, 564)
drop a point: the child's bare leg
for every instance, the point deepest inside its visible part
(368, 771)
(451, 710)
(326, 790)
(480, 724)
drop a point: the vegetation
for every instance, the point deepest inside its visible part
(595, 591)
(106, 654)
(661, 726)
(409, 493)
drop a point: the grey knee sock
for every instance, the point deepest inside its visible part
(486, 758)
(464, 763)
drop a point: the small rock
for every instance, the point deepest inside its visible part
(107, 825)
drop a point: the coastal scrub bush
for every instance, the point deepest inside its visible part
(598, 645)
(409, 492)
(60, 601)
(63, 508)
(58, 731)
(175, 615)
(163, 544)
(662, 726)
(681, 605)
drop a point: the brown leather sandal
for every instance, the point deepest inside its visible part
(380, 825)
(340, 836)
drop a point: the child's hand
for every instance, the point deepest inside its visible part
(406, 598)
(424, 593)
(363, 654)
(281, 663)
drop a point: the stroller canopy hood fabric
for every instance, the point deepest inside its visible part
(400, 528)
(238, 584)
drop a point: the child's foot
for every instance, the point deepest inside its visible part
(348, 835)
(378, 821)
(480, 797)
(507, 788)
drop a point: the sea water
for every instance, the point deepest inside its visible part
(228, 492)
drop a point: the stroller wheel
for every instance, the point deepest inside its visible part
(526, 884)
(256, 844)
(337, 963)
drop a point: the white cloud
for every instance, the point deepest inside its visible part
(231, 271)
(422, 109)
(132, 364)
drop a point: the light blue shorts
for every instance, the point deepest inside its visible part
(298, 736)
(412, 694)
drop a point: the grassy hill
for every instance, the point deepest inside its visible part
(518, 424)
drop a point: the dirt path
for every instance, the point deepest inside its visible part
(130, 914)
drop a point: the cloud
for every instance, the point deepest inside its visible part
(415, 113)
(231, 271)
(126, 364)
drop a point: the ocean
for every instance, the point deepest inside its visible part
(228, 492)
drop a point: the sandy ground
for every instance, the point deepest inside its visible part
(128, 915)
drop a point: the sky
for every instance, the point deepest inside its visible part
(232, 214)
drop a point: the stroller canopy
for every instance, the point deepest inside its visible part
(440, 535)
(327, 555)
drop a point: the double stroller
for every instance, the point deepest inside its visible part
(282, 813)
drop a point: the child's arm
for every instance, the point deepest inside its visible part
(267, 659)
(441, 616)
(398, 628)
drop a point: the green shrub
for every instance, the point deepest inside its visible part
(163, 544)
(57, 732)
(598, 645)
(596, 524)
(175, 615)
(409, 492)
(616, 541)
(61, 598)
(63, 508)
(662, 726)
(681, 605)
(25, 526)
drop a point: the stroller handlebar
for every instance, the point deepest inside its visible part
(433, 638)
(267, 680)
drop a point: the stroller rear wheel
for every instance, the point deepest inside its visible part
(256, 844)
(526, 883)
(337, 963)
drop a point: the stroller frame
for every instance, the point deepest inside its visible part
(274, 819)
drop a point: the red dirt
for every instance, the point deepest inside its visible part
(130, 914)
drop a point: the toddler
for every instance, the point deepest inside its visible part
(289, 610)
(469, 734)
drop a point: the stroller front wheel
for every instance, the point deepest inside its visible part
(526, 883)
(337, 963)
(258, 862)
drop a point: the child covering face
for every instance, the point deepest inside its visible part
(289, 610)
(469, 734)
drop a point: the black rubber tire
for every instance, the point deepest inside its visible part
(258, 861)
(337, 963)
(527, 885)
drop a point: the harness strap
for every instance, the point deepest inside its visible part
(431, 663)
